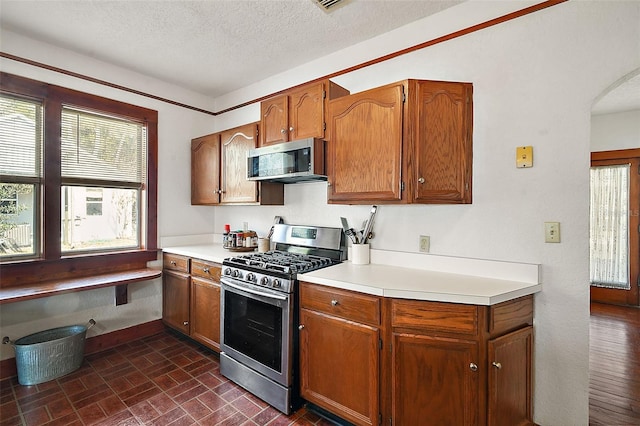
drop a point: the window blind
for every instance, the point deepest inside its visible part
(20, 137)
(101, 148)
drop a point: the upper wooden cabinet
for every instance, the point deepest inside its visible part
(219, 170)
(297, 114)
(205, 170)
(407, 142)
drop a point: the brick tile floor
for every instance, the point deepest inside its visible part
(161, 380)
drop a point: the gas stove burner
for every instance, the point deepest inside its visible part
(283, 262)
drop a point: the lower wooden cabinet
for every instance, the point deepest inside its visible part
(432, 379)
(428, 363)
(339, 354)
(191, 298)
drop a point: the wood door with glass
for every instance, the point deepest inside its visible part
(614, 236)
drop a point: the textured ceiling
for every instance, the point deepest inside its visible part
(214, 46)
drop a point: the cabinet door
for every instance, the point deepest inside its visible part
(235, 144)
(205, 170)
(510, 383)
(339, 366)
(175, 300)
(433, 382)
(274, 120)
(306, 112)
(364, 153)
(205, 312)
(443, 142)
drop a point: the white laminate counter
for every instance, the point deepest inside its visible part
(409, 283)
(425, 277)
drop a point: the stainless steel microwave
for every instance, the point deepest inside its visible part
(288, 162)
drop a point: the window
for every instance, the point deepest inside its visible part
(609, 235)
(78, 178)
(21, 171)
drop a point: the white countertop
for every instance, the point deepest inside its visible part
(422, 277)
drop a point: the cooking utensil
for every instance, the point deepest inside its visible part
(348, 231)
(367, 234)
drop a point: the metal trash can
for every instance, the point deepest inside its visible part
(49, 354)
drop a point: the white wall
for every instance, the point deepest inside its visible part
(534, 78)
(615, 131)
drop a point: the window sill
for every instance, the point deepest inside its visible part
(118, 279)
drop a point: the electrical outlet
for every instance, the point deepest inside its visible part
(552, 232)
(424, 244)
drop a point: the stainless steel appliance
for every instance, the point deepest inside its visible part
(288, 162)
(259, 310)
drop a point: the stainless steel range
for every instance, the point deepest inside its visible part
(259, 313)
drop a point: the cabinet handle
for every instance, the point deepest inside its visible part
(282, 131)
(334, 302)
(301, 326)
(421, 180)
(473, 367)
(496, 365)
(205, 270)
(185, 323)
(172, 262)
(291, 129)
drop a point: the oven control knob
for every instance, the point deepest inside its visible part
(236, 274)
(227, 271)
(264, 281)
(251, 277)
(276, 283)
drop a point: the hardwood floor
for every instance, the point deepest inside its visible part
(614, 365)
(161, 380)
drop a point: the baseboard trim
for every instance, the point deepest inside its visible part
(99, 343)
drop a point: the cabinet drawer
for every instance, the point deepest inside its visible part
(204, 269)
(175, 262)
(511, 315)
(435, 316)
(341, 303)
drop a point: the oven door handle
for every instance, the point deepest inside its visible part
(252, 291)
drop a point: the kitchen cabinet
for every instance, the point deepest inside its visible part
(414, 361)
(298, 113)
(191, 298)
(175, 292)
(461, 364)
(406, 142)
(340, 352)
(205, 303)
(219, 170)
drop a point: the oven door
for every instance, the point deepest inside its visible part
(256, 328)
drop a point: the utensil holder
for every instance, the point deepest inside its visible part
(360, 254)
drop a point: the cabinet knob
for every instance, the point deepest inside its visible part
(496, 365)
(334, 302)
(291, 129)
(205, 270)
(185, 323)
(172, 262)
(283, 131)
(473, 367)
(421, 180)
(301, 326)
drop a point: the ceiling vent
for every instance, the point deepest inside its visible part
(329, 5)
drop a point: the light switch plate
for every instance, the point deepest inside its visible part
(552, 232)
(524, 156)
